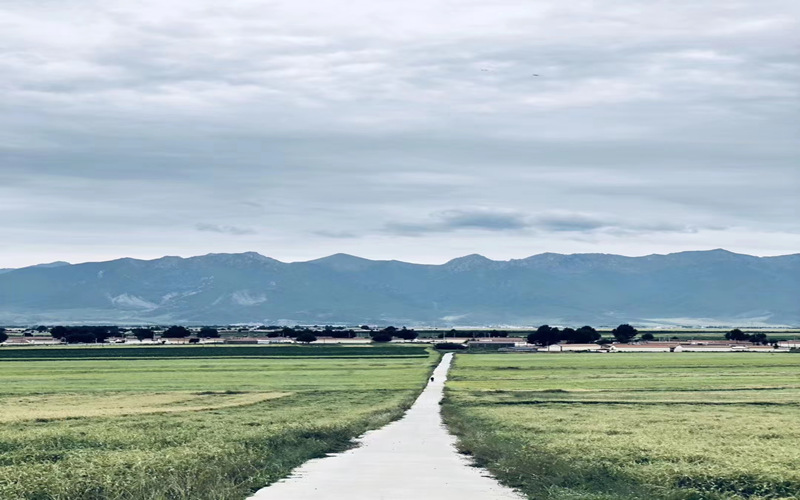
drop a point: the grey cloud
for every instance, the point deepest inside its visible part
(568, 222)
(232, 230)
(674, 119)
(454, 220)
(336, 234)
(544, 222)
(488, 220)
(581, 223)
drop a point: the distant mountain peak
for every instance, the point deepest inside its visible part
(58, 263)
(342, 262)
(468, 262)
(473, 257)
(338, 257)
(242, 256)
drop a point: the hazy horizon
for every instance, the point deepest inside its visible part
(188, 256)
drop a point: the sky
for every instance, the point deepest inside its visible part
(419, 130)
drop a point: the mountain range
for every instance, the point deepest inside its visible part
(713, 287)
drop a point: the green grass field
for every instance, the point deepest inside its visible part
(212, 426)
(632, 426)
(105, 351)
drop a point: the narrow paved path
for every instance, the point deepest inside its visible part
(413, 458)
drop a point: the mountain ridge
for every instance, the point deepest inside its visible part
(699, 287)
(714, 251)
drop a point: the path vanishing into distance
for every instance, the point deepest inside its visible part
(413, 458)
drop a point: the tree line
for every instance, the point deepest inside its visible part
(97, 334)
(547, 335)
(740, 336)
(544, 335)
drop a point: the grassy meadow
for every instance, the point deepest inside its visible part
(688, 426)
(138, 425)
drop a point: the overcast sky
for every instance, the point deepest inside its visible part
(418, 130)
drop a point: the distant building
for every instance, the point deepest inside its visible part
(574, 348)
(767, 348)
(494, 343)
(644, 347)
(32, 341)
(213, 340)
(705, 348)
(243, 340)
(178, 341)
(527, 348)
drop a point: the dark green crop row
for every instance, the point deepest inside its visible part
(208, 352)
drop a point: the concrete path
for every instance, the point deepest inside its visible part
(413, 458)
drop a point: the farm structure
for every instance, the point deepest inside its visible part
(497, 343)
(576, 348)
(32, 341)
(644, 347)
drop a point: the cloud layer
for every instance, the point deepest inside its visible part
(544, 222)
(406, 131)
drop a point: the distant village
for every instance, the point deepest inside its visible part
(545, 339)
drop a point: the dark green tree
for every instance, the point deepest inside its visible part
(406, 334)
(569, 335)
(58, 332)
(143, 333)
(737, 335)
(545, 335)
(381, 336)
(80, 337)
(84, 334)
(176, 332)
(586, 335)
(624, 333)
(306, 337)
(647, 336)
(3, 335)
(208, 332)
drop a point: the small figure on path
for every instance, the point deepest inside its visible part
(431, 379)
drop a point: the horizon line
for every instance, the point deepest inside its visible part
(342, 254)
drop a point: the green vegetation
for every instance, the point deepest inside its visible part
(216, 425)
(449, 346)
(547, 335)
(637, 426)
(207, 351)
(624, 333)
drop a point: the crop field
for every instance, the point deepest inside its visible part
(213, 426)
(688, 426)
(209, 351)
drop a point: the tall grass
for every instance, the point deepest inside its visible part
(221, 451)
(546, 425)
